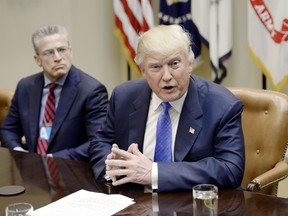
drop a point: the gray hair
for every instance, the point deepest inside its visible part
(163, 39)
(47, 30)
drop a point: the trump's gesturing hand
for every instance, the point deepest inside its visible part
(131, 165)
(112, 156)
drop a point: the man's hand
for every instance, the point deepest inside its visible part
(112, 156)
(131, 164)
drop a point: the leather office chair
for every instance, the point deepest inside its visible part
(265, 128)
(5, 102)
(6, 96)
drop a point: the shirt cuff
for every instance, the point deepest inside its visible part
(154, 176)
(18, 148)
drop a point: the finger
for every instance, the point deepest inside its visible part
(109, 156)
(118, 172)
(119, 153)
(112, 155)
(108, 167)
(132, 146)
(121, 181)
(115, 146)
(113, 178)
(116, 163)
(135, 150)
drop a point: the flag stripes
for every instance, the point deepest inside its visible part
(131, 18)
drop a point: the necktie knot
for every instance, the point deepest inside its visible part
(166, 106)
(52, 87)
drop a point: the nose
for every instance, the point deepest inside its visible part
(166, 73)
(57, 55)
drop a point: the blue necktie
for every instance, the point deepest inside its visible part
(163, 152)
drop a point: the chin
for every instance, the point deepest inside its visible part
(61, 72)
(58, 74)
(169, 98)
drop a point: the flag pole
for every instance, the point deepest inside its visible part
(264, 81)
(128, 72)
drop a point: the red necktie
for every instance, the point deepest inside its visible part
(49, 114)
(54, 172)
(56, 190)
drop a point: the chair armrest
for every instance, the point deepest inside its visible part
(278, 173)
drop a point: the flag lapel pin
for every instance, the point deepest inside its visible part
(191, 130)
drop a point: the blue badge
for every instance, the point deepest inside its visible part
(45, 132)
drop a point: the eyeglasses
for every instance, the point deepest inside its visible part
(51, 53)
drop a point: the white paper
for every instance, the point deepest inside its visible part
(86, 203)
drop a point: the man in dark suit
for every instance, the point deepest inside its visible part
(207, 140)
(80, 102)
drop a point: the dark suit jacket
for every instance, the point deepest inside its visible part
(80, 112)
(213, 154)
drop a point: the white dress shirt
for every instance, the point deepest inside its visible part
(150, 133)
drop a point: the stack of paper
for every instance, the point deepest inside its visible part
(86, 203)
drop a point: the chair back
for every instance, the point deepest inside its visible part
(265, 128)
(5, 102)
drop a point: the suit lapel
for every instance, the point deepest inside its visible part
(138, 118)
(67, 97)
(190, 123)
(35, 97)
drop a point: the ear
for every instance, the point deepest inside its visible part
(190, 67)
(37, 60)
(71, 52)
(142, 71)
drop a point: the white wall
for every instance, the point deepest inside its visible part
(90, 24)
(95, 48)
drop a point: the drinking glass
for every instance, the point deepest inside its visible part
(19, 209)
(205, 200)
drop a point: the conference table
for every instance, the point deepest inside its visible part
(27, 170)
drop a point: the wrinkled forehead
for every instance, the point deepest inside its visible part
(52, 41)
(164, 57)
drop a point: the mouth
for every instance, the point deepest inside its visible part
(57, 67)
(168, 87)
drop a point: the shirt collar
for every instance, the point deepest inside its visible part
(177, 105)
(59, 82)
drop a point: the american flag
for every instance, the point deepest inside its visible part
(131, 18)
